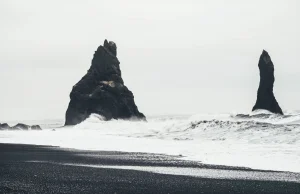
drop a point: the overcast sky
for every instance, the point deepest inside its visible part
(177, 56)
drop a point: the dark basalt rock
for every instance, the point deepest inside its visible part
(19, 126)
(265, 96)
(102, 90)
(4, 126)
(35, 127)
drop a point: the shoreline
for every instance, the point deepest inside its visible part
(46, 169)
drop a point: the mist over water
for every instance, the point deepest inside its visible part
(259, 140)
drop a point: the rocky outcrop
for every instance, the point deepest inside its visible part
(19, 126)
(4, 126)
(102, 90)
(35, 127)
(265, 96)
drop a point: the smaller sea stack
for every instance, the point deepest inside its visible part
(265, 96)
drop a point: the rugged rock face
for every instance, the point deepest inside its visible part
(102, 90)
(19, 126)
(265, 96)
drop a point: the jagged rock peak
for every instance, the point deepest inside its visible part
(111, 47)
(102, 91)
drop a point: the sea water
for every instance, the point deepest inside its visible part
(258, 140)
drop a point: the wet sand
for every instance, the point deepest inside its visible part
(45, 169)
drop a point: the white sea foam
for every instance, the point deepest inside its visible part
(258, 140)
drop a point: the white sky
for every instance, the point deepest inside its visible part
(178, 57)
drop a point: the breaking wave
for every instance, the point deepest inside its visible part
(259, 140)
(258, 127)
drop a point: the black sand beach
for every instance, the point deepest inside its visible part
(42, 169)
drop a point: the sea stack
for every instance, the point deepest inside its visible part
(102, 91)
(265, 96)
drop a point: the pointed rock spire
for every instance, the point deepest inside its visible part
(265, 96)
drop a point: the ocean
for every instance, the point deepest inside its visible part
(258, 140)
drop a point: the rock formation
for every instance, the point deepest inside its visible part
(19, 126)
(4, 126)
(265, 96)
(102, 90)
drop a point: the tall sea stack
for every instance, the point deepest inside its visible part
(265, 96)
(102, 90)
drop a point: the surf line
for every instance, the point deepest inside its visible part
(195, 172)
